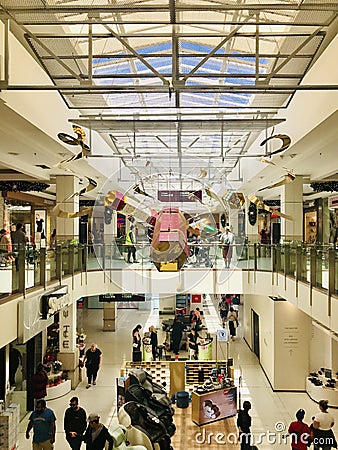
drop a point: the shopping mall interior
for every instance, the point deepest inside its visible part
(173, 165)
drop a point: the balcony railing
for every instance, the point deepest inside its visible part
(27, 268)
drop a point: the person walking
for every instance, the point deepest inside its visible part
(223, 309)
(96, 434)
(92, 362)
(243, 425)
(75, 424)
(39, 383)
(323, 422)
(227, 240)
(176, 334)
(42, 420)
(153, 341)
(130, 242)
(15, 359)
(137, 356)
(232, 320)
(193, 337)
(300, 432)
(18, 241)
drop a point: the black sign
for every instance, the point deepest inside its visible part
(122, 297)
(179, 196)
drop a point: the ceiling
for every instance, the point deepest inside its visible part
(176, 87)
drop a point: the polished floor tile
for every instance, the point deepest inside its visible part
(270, 410)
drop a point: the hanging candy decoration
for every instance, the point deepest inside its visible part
(252, 214)
(261, 205)
(203, 173)
(290, 176)
(286, 141)
(138, 190)
(71, 140)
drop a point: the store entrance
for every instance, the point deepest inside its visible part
(255, 332)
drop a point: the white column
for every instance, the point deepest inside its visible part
(67, 185)
(292, 205)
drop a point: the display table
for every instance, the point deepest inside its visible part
(214, 405)
(59, 390)
(318, 393)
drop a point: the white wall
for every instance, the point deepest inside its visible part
(291, 344)
(263, 306)
(320, 349)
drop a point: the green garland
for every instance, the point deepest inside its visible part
(325, 186)
(23, 186)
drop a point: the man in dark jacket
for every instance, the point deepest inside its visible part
(19, 241)
(74, 423)
(243, 425)
(97, 434)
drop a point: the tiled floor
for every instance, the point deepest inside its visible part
(270, 409)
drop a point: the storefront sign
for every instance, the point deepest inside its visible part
(196, 298)
(67, 331)
(54, 301)
(179, 196)
(333, 202)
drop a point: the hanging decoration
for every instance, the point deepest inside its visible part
(71, 140)
(23, 186)
(203, 173)
(223, 220)
(290, 176)
(252, 213)
(137, 189)
(213, 195)
(286, 141)
(261, 205)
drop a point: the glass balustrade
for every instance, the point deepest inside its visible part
(314, 264)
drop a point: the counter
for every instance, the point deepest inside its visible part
(215, 405)
(318, 393)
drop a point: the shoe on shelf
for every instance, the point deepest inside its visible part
(136, 261)
(94, 383)
(88, 386)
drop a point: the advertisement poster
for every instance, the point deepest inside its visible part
(218, 405)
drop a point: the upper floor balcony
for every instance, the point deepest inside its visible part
(316, 265)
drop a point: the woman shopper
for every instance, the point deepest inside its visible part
(300, 433)
(232, 320)
(137, 356)
(153, 341)
(92, 362)
(323, 423)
